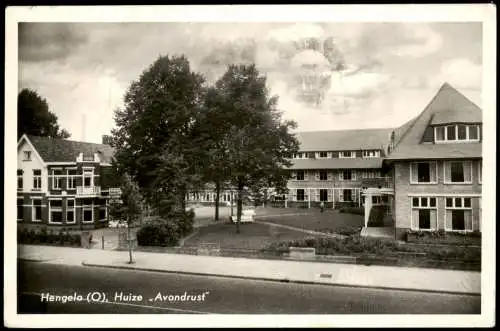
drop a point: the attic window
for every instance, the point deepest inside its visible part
(27, 156)
(456, 133)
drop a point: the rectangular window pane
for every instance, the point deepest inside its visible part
(449, 202)
(20, 209)
(70, 203)
(462, 132)
(347, 175)
(323, 195)
(423, 202)
(424, 219)
(38, 213)
(458, 202)
(300, 195)
(56, 216)
(473, 134)
(432, 202)
(55, 203)
(440, 133)
(300, 175)
(70, 216)
(347, 195)
(415, 202)
(450, 130)
(37, 202)
(457, 172)
(466, 202)
(424, 173)
(102, 213)
(37, 172)
(87, 215)
(457, 220)
(322, 154)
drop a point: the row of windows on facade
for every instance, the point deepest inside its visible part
(27, 156)
(457, 217)
(454, 172)
(328, 175)
(56, 211)
(330, 155)
(57, 178)
(324, 195)
(456, 133)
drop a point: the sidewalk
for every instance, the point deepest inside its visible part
(432, 280)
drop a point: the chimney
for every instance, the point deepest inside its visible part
(106, 140)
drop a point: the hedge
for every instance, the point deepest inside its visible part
(443, 237)
(166, 231)
(28, 237)
(377, 214)
(352, 210)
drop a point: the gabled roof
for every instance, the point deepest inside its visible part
(61, 150)
(448, 104)
(357, 163)
(342, 140)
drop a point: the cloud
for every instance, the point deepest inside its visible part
(48, 41)
(417, 40)
(461, 73)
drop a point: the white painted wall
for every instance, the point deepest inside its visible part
(29, 166)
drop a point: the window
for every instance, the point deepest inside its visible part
(458, 214)
(457, 132)
(70, 211)
(301, 155)
(300, 175)
(458, 172)
(323, 195)
(369, 153)
(102, 213)
(88, 177)
(347, 175)
(346, 195)
(37, 210)
(20, 209)
(424, 213)
(423, 173)
(19, 179)
(56, 179)
(71, 178)
(55, 214)
(323, 175)
(480, 172)
(347, 154)
(323, 155)
(88, 210)
(301, 195)
(37, 179)
(27, 156)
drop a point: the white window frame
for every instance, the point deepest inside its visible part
(456, 140)
(26, 155)
(33, 210)
(87, 207)
(71, 179)
(296, 175)
(371, 153)
(69, 209)
(424, 183)
(85, 174)
(20, 177)
(55, 209)
(446, 208)
(58, 177)
(37, 179)
(322, 157)
(326, 175)
(447, 164)
(416, 227)
(297, 195)
(342, 155)
(341, 194)
(480, 172)
(353, 175)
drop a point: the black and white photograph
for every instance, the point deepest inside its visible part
(319, 165)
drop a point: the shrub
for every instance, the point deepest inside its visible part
(352, 210)
(347, 230)
(159, 233)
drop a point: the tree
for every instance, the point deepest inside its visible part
(258, 141)
(130, 209)
(154, 140)
(35, 118)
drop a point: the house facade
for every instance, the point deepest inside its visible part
(437, 167)
(62, 183)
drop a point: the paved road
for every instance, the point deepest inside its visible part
(218, 295)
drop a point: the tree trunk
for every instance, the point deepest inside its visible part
(129, 241)
(240, 207)
(217, 197)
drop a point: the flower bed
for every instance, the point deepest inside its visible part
(445, 238)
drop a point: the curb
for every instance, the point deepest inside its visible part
(27, 259)
(285, 280)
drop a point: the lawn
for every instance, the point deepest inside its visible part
(310, 219)
(252, 235)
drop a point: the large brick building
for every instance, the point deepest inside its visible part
(437, 167)
(62, 183)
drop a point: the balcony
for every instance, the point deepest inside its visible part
(377, 182)
(88, 191)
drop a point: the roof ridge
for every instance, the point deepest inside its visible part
(346, 130)
(69, 140)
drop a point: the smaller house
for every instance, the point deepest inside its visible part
(62, 183)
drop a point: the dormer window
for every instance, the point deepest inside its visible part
(456, 133)
(27, 156)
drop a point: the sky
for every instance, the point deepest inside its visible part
(392, 69)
